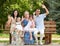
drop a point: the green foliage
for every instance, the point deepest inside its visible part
(54, 9)
(21, 5)
(7, 6)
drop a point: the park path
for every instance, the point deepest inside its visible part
(54, 44)
(8, 38)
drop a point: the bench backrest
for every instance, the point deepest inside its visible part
(50, 26)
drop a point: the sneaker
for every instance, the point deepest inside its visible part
(41, 43)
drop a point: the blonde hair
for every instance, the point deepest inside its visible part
(26, 12)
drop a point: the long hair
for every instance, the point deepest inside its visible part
(13, 14)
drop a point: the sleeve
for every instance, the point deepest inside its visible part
(43, 15)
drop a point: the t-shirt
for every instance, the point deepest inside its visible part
(25, 22)
(26, 28)
(19, 26)
(39, 21)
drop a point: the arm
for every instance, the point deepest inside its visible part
(9, 21)
(47, 12)
(22, 18)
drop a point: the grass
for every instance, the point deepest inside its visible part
(56, 41)
(55, 36)
(5, 41)
(2, 35)
(7, 36)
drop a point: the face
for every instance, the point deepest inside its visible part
(18, 19)
(37, 11)
(30, 18)
(26, 14)
(15, 13)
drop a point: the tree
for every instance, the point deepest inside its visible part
(54, 9)
(7, 6)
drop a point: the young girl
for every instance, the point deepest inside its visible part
(19, 31)
(32, 25)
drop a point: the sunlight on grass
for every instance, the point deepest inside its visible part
(7, 36)
(55, 36)
(4, 35)
(4, 41)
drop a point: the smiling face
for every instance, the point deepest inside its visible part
(15, 13)
(31, 17)
(37, 12)
(26, 14)
(18, 19)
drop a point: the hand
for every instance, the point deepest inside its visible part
(43, 6)
(33, 13)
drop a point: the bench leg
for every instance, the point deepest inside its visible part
(47, 38)
(10, 38)
(50, 36)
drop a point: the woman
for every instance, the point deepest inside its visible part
(11, 22)
(26, 25)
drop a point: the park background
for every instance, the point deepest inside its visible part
(7, 6)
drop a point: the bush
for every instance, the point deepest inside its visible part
(1, 31)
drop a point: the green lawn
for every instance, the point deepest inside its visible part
(56, 41)
(7, 36)
(55, 36)
(2, 35)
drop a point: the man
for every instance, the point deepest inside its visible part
(39, 20)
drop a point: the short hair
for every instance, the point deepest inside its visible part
(38, 9)
(25, 13)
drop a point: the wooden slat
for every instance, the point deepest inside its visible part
(49, 22)
(50, 29)
(50, 25)
(51, 32)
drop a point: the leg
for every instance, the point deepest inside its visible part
(12, 41)
(30, 35)
(35, 35)
(41, 35)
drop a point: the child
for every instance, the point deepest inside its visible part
(32, 26)
(19, 31)
(18, 25)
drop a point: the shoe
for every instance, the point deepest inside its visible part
(41, 43)
(36, 43)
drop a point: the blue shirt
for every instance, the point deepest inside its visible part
(25, 22)
(39, 20)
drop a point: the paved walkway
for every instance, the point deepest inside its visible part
(8, 38)
(54, 44)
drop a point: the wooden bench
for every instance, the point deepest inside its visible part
(50, 28)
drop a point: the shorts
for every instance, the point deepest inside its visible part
(19, 27)
(30, 29)
(41, 31)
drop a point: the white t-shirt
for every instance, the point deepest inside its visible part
(18, 26)
(39, 21)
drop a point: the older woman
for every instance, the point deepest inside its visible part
(26, 25)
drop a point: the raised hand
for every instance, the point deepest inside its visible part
(43, 6)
